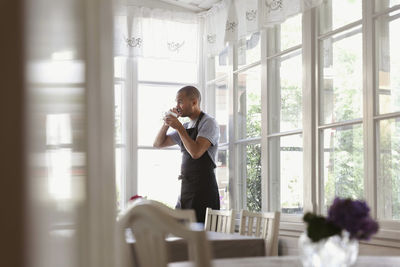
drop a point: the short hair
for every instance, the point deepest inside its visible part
(191, 92)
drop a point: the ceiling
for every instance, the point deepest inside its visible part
(193, 5)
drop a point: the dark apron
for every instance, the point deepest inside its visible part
(199, 188)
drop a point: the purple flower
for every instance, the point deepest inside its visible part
(353, 216)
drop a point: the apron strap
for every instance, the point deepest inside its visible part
(198, 120)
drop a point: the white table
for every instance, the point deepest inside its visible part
(292, 261)
(222, 246)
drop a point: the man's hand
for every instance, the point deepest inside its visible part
(173, 122)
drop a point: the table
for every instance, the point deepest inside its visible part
(292, 261)
(222, 245)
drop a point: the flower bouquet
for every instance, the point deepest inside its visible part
(333, 240)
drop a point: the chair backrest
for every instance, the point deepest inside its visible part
(151, 223)
(261, 224)
(185, 216)
(220, 220)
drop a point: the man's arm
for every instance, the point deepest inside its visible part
(162, 139)
(196, 148)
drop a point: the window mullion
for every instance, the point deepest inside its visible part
(234, 175)
(369, 82)
(131, 178)
(265, 181)
(310, 131)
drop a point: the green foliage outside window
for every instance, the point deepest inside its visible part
(254, 157)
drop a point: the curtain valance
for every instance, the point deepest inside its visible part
(232, 20)
(156, 33)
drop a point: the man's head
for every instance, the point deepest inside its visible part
(188, 101)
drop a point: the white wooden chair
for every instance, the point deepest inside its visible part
(185, 216)
(151, 223)
(262, 224)
(220, 220)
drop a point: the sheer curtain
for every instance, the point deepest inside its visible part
(155, 33)
(232, 20)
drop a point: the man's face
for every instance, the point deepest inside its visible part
(184, 105)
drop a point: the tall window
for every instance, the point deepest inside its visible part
(247, 109)
(285, 142)
(146, 82)
(120, 85)
(340, 100)
(218, 105)
(160, 75)
(248, 138)
(387, 110)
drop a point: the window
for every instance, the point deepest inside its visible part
(120, 64)
(158, 170)
(341, 105)
(218, 105)
(222, 117)
(314, 111)
(248, 118)
(387, 115)
(146, 80)
(285, 143)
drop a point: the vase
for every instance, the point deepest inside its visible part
(335, 251)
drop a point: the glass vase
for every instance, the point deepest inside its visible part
(335, 251)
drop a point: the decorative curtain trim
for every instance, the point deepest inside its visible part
(155, 33)
(232, 20)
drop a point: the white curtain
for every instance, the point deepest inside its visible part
(156, 33)
(232, 20)
(215, 24)
(277, 11)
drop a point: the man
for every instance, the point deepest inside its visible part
(198, 140)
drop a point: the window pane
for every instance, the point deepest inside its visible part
(291, 33)
(249, 106)
(388, 186)
(285, 92)
(222, 110)
(222, 173)
(249, 49)
(153, 102)
(158, 172)
(250, 173)
(382, 5)
(120, 177)
(286, 173)
(337, 13)
(343, 164)
(118, 113)
(341, 77)
(221, 63)
(388, 59)
(285, 35)
(163, 70)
